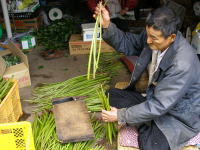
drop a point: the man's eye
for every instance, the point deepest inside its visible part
(154, 39)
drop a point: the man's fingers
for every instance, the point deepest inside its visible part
(112, 108)
(104, 112)
(103, 9)
(105, 119)
(105, 115)
(97, 10)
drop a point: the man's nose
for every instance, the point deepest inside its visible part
(149, 40)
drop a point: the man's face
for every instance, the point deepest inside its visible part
(157, 41)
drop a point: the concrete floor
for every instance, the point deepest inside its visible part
(55, 70)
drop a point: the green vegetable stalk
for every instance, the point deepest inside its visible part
(77, 86)
(5, 86)
(44, 132)
(110, 126)
(93, 49)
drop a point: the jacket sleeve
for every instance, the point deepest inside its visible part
(130, 4)
(127, 43)
(166, 95)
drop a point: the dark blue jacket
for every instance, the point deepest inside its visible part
(173, 98)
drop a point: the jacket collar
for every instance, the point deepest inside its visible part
(169, 56)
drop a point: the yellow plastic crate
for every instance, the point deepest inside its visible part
(16, 136)
(10, 107)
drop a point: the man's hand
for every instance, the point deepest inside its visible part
(109, 116)
(104, 14)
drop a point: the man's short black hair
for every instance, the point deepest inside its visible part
(164, 20)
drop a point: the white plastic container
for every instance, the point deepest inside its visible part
(87, 31)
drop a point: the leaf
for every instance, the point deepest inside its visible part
(40, 67)
(66, 69)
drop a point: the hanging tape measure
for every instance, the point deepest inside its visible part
(55, 13)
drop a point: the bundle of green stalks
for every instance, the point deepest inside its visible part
(110, 129)
(95, 48)
(5, 86)
(77, 86)
(44, 132)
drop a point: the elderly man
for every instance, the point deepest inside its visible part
(169, 115)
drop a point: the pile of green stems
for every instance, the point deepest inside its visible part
(110, 63)
(110, 129)
(45, 138)
(5, 86)
(108, 67)
(77, 86)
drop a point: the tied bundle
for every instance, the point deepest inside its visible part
(110, 129)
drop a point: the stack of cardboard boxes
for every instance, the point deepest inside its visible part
(20, 71)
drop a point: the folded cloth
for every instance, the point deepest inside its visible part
(195, 140)
(129, 138)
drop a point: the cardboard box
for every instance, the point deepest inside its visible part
(19, 71)
(78, 46)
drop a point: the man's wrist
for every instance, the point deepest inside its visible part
(121, 123)
(120, 118)
(106, 25)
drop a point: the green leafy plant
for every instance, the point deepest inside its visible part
(11, 60)
(56, 35)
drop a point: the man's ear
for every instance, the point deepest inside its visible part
(173, 37)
